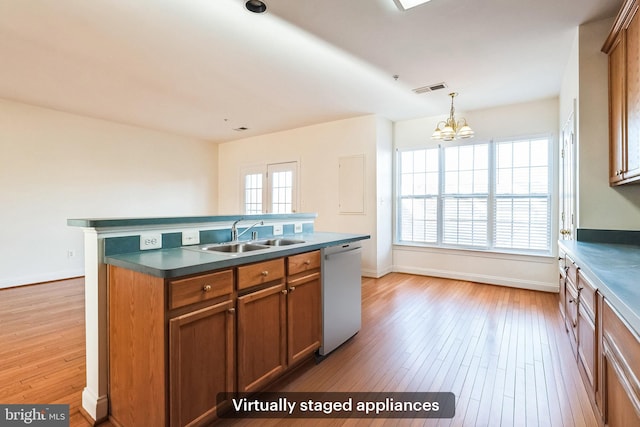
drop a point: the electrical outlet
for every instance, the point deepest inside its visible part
(190, 237)
(150, 241)
(297, 227)
(71, 253)
(277, 230)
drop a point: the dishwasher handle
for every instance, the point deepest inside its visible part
(336, 254)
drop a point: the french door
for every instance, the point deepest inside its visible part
(272, 188)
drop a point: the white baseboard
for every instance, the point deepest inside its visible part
(40, 278)
(376, 274)
(492, 280)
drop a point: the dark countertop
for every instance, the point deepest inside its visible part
(615, 271)
(176, 262)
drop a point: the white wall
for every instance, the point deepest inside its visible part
(318, 149)
(599, 206)
(531, 118)
(55, 166)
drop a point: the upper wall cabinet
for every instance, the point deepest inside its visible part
(623, 48)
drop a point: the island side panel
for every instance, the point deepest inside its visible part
(137, 347)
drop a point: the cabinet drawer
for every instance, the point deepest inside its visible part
(572, 270)
(587, 295)
(259, 273)
(200, 288)
(303, 262)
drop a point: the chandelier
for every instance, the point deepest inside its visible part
(451, 129)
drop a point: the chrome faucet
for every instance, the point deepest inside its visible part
(234, 229)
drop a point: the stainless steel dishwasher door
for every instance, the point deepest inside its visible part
(341, 294)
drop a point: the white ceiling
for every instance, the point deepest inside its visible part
(204, 67)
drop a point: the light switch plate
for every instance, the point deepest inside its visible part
(277, 230)
(190, 237)
(150, 241)
(297, 227)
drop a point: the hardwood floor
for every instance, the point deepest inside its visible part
(502, 351)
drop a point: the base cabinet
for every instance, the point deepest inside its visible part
(261, 337)
(587, 333)
(621, 370)
(201, 363)
(279, 321)
(175, 344)
(304, 305)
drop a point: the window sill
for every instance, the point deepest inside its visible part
(487, 253)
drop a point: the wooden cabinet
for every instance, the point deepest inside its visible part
(304, 305)
(562, 277)
(171, 347)
(175, 344)
(607, 349)
(586, 328)
(623, 48)
(621, 370)
(278, 322)
(201, 363)
(571, 302)
(581, 323)
(261, 336)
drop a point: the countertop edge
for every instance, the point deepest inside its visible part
(628, 314)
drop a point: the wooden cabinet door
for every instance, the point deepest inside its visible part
(571, 314)
(587, 346)
(201, 363)
(632, 48)
(262, 317)
(621, 403)
(587, 340)
(617, 110)
(304, 316)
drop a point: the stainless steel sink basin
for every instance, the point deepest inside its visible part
(279, 242)
(235, 247)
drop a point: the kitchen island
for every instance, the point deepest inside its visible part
(116, 245)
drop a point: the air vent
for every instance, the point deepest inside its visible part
(430, 88)
(241, 128)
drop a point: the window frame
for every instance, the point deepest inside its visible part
(267, 171)
(491, 197)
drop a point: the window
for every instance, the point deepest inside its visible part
(253, 193)
(270, 188)
(488, 196)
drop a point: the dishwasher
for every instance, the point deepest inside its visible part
(341, 294)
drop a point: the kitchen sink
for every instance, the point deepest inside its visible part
(235, 247)
(279, 242)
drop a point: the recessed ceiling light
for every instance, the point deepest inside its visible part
(408, 4)
(255, 6)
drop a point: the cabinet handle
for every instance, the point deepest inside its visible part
(265, 273)
(292, 288)
(284, 291)
(206, 288)
(307, 262)
(232, 310)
